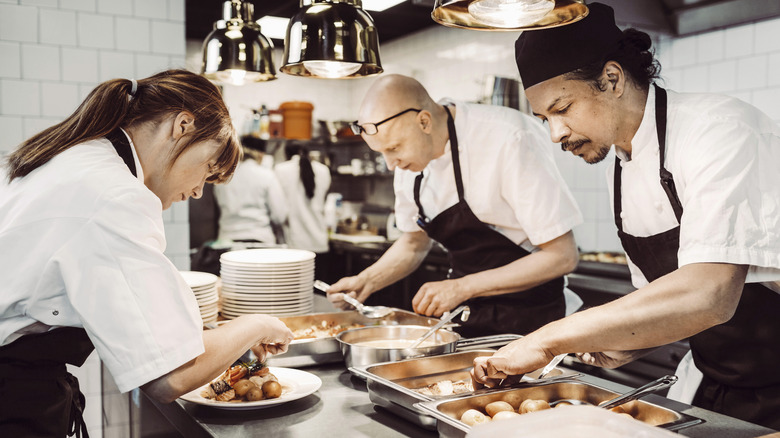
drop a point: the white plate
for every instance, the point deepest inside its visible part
(296, 384)
(197, 279)
(270, 281)
(269, 289)
(259, 299)
(230, 314)
(232, 307)
(278, 273)
(267, 256)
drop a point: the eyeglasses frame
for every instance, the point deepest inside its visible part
(357, 129)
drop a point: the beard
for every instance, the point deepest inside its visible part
(601, 152)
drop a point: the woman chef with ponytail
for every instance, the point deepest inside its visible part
(82, 263)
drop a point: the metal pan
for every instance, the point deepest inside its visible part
(393, 385)
(307, 352)
(444, 341)
(448, 412)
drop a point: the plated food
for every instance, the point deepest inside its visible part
(294, 384)
(244, 382)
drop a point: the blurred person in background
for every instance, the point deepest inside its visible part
(305, 183)
(252, 205)
(83, 265)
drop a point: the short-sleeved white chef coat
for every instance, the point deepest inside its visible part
(725, 158)
(249, 203)
(306, 228)
(82, 246)
(510, 179)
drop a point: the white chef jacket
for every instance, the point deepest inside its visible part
(510, 179)
(82, 246)
(306, 228)
(724, 155)
(249, 203)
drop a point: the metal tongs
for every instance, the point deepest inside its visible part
(444, 320)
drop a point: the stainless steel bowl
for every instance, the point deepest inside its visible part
(358, 355)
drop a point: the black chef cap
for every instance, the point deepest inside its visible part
(545, 54)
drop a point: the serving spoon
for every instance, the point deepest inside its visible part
(654, 386)
(367, 311)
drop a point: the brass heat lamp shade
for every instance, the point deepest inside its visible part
(456, 13)
(236, 52)
(331, 39)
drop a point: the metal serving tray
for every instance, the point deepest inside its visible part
(391, 385)
(449, 411)
(308, 352)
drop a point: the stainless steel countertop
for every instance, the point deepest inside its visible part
(341, 408)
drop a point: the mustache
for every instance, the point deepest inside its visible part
(567, 146)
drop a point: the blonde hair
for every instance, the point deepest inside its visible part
(111, 105)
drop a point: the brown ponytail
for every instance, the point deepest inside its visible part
(110, 106)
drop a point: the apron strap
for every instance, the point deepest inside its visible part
(122, 145)
(667, 180)
(422, 220)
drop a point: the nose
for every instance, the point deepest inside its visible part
(198, 192)
(559, 131)
(391, 163)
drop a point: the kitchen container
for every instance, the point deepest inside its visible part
(572, 422)
(444, 341)
(392, 385)
(448, 412)
(306, 352)
(297, 119)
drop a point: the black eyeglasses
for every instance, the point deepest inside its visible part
(370, 128)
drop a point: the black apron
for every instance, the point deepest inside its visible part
(475, 247)
(38, 397)
(739, 359)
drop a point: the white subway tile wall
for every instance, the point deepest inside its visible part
(742, 61)
(53, 54)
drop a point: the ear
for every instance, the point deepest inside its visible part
(183, 124)
(614, 77)
(425, 121)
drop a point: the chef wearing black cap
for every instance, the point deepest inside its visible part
(696, 197)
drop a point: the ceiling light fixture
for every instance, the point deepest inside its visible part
(236, 52)
(508, 15)
(331, 39)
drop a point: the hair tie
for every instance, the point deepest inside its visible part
(134, 87)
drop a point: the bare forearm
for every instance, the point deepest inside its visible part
(676, 306)
(223, 346)
(400, 260)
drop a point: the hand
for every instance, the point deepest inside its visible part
(435, 298)
(612, 359)
(514, 359)
(356, 286)
(275, 337)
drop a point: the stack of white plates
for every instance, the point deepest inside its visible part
(204, 286)
(274, 281)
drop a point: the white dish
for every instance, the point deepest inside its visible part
(197, 279)
(267, 256)
(263, 307)
(268, 289)
(296, 384)
(231, 314)
(269, 281)
(271, 298)
(263, 274)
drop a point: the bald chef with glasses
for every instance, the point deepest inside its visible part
(481, 181)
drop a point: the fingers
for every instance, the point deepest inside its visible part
(480, 374)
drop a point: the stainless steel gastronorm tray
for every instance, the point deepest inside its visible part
(308, 352)
(391, 385)
(449, 411)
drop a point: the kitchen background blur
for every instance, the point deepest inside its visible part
(54, 52)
